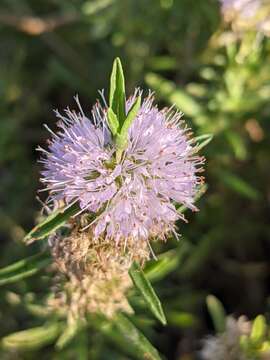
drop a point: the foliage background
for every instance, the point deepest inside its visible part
(52, 50)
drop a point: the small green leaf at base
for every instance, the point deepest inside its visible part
(147, 291)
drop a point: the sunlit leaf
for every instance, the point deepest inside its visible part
(259, 329)
(147, 291)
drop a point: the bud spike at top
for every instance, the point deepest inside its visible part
(117, 91)
(129, 165)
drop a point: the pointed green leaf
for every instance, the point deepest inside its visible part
(203, 188)
(24, 268)
(32, 338)
(158, 269)
(51, 223)
(203, 140)
(259, 329)
(112, 121)
(148, 293)
(121, 331)
(135, 338)
(117, 91)
(217, 313)
(122, 138)
(239, 185)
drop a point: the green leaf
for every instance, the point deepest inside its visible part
(122, 138)
(199, 194)
(135, 338)
(24, 268)
(148, 293)
(182, 319)
(67, 335)
(238, 185)
(259, 329)
(203, 140)
(176, 96)
(51, 223)
(217, 313)
(117, 97)
(158, 269)
(120, 331)
(34, 338)
(112, 121)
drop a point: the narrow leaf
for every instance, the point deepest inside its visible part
(175, 95)
(32, 338)
(239, 185)
(24, 268)
(112, 121)
(217, 313)
(158, 269)
(135, 338)
(147, 291)
(122, 139)
(51, 223)
(121, 331)
(203, 140)
(117, 91)
(67, 335)
(181, 209)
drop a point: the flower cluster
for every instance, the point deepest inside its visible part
(133, 199)
(96, 275)
(247, 15)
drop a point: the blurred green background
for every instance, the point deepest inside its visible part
(52, 50)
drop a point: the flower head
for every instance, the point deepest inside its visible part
(95, 275)
(134, 198)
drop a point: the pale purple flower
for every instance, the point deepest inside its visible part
(136, 198)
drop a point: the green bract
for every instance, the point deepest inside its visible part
(118, 120)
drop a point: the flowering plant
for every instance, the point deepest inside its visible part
(117, 181)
